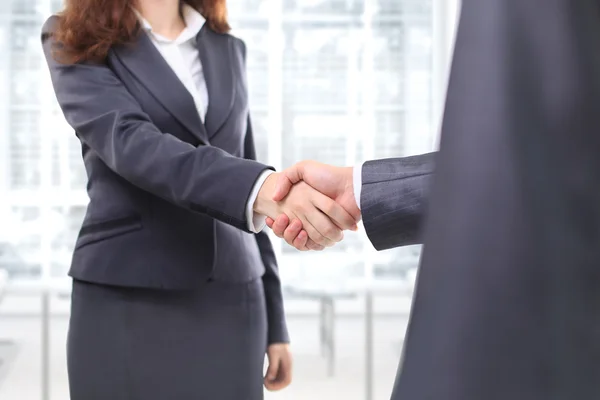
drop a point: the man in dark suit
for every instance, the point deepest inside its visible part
(507, 299)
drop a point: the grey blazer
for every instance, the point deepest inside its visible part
(507, 301)
(393, 199)
(162, 183)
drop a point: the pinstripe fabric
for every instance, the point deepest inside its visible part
(393, 199)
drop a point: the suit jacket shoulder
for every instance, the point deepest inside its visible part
(50, 25)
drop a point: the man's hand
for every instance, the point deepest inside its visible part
(334, 182)
(279, 373)
(321, 217)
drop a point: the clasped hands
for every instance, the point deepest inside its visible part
(309, 204)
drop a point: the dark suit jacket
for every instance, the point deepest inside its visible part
(393, 199)
(507, 301)
(160, 181)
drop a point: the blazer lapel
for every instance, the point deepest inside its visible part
(145, 62)
(215, 55)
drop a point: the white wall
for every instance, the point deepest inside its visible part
(446, 15)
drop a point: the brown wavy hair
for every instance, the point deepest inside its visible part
(87, 29)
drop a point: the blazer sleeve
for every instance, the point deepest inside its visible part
(108, 119)
(277, 326)
(393, 199)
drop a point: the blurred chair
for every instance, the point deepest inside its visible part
(12, 262)
(328, 292)
(8, 349)
(3, 282)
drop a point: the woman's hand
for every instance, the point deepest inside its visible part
(279, 373)
(322, 218)
(291, 232)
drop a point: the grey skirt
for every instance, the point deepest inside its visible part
(145, 344)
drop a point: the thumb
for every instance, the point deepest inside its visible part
(273, 369)
(286, 180)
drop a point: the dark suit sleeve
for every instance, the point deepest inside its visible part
(393, 199)
(278, 332)
(108, 119)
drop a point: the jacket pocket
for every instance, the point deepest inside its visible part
(92, 232)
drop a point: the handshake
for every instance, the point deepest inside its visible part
(309, 204)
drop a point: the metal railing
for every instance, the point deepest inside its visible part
(46, 289)
(325, 294)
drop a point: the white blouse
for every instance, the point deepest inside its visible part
(182, 56)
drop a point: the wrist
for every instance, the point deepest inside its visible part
(350, 193)
(357, 184)
(264, 203)
(348, 174)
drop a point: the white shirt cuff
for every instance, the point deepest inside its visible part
(357, 183)
(256, 222)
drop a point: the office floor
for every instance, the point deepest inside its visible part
(22, 382)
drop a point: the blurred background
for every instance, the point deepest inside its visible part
(339, 81)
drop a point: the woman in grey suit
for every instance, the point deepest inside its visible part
(176, 292)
